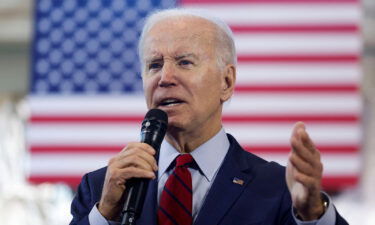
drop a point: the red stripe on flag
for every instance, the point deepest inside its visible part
(226, 118)
(76, 149)
(334, 183)
(330, 183)
(256, 149)
(186, 2)
(86, 119)
(290, 118)
(341, 28)
(297, 88)
(70, 180)
(298, 58)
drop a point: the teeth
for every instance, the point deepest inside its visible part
(170, 102)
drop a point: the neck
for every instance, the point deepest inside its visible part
(188, 141)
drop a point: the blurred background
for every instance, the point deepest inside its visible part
(71, 93)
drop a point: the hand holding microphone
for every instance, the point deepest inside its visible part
(136, 160)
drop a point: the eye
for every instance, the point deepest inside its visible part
(155, 65)
(185, 62)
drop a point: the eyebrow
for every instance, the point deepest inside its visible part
(186, 56)
(178, 57)
(153, 59)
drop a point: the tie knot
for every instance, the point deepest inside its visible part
(183, 160)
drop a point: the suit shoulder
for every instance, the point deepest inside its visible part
(257, 164)
(97, 176)
(98, 173)
(266, 166)
(90, 188)
(93, 181)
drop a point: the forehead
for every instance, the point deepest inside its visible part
(180, 35)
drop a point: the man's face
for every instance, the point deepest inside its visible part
(181, 75)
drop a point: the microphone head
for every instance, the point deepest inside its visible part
(157, 114)
(154, 127)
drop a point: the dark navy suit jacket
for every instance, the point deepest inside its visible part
(262, 198)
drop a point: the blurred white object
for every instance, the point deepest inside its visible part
(20, 202)
(12, 146)
(354, 208)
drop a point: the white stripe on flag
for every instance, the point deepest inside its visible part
(87, 105)
(284, 44)
(286, 103)
(246, 133)
(334, 164)
(279, 133)
(272, 103)
(67, 164)
(76, 133)
(246, 14)
(70, 164)
(312, 73)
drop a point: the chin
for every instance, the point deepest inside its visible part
(175, 125)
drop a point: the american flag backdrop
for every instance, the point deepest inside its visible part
(298, 60)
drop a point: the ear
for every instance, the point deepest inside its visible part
(228, 82)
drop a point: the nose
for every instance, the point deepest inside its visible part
(168, 75)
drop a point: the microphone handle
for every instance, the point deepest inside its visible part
(137, 187)
(134, 195)
(152, 133)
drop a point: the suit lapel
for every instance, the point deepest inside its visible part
(148, 215)
(231, 179)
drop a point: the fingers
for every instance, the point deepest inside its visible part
(142, 146)
(303, 146)
(305, 179)
(136, 160)
(305, 193)
(302, 167)
(306, 140)
(301, 164)
(120, 176)
(305, 159)
(136, 156)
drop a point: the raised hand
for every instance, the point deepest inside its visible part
(304, 175)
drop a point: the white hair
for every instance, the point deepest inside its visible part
(225, 48)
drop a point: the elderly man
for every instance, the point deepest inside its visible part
(189, 71)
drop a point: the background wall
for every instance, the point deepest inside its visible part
(15, 32)
(369, 99)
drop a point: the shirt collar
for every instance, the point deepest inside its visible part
(208, 156)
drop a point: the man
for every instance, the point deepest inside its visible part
(189, 71)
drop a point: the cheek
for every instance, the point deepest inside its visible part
(148, 91)
(208, 93)
(210, 85)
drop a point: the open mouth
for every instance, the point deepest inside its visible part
(170, 102)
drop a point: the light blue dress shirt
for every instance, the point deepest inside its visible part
(208, 157)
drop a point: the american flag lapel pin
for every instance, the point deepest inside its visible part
(238, 181)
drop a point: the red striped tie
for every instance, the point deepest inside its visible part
(175, 206)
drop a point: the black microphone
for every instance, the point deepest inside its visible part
(154, 127)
